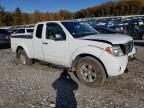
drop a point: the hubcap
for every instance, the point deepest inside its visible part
(23, 59)
(88, 73)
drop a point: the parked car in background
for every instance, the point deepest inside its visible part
(12, 30)
(4, 37)
(104, 30)
(141, 31)
(128, 25)
(134, 30)
(120, 28)
(23, 31)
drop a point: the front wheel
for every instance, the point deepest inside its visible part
(23, 58)
(90, 72)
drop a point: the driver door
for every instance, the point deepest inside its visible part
(55, 45)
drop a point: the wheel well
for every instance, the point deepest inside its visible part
(84, 55)
(19, 47)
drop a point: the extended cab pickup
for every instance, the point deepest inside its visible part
(74, 45)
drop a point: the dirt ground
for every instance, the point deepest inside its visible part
(45, 86)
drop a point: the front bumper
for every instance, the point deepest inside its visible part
(114, 65)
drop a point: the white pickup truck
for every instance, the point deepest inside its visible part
(74, 45)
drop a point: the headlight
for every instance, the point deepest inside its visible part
(115, 50)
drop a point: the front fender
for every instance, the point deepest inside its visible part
(90, 50)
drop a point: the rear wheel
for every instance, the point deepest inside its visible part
(90, 72)
(23, 58)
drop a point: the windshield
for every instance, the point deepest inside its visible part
(78, 29)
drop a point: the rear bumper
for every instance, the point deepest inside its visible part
(114, 65)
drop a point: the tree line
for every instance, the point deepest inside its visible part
(122, 7)
(19, 18)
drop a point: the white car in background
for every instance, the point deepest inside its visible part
(23, 31)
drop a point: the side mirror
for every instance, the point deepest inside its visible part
(59, 37)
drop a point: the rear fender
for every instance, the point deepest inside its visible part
(28, 52)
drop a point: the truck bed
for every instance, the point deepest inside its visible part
(22, 40)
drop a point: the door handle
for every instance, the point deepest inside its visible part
(45, 43)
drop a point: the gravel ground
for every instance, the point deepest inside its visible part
(44, 86)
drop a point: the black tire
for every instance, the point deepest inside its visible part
(97, 69)
(20, 53)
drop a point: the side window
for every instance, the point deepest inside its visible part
(39, 31)
(21, 31)
(54, 31)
